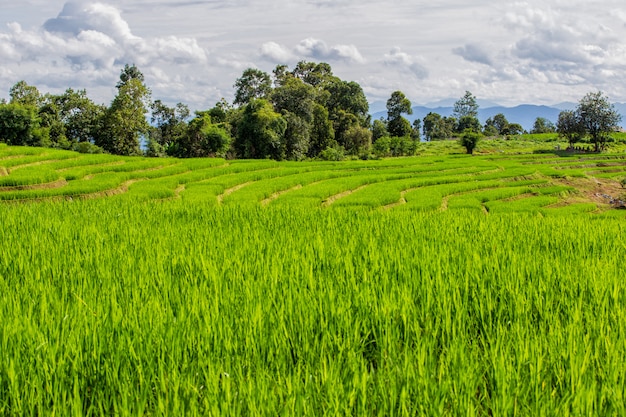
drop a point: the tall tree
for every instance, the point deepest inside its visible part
(169, 123)
(253, 84)
(570, 127)
(18, 124)
(125, 119)
(397, 105)
(261, 131)
(322, 131)
(599, 117)
(27, 95)
(466, 106)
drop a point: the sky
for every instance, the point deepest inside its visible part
(192, 51)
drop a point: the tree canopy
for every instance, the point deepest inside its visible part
(298, 113)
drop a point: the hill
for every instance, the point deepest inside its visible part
(524, 114)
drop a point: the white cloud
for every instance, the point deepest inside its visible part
(532, 50)
(276, 53)
(397, 58)
(318, 49)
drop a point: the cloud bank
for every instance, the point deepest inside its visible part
(193, 51)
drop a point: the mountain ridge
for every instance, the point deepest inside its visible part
(523, 114)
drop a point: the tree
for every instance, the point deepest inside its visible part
(417, 127)
(130, 72)
(514, 129)
(466, 106)
(357, 139)
(27, 95)
(469, 139)
(253, 84)
(296, 97)
(169, 123)
(397, 105)
(468, 123)
(314, 74)
(432, 126)
(569, 127)
(322, 133)
(18, 124)
(496, 125)
(260, 132)
(543, 125)
(80, 115)
(598, 117)
(125, 120)
(296, 136)
(379, 129)
(203, 138)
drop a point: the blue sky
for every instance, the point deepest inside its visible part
(192, 51)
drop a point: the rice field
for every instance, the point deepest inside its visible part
(435, 285)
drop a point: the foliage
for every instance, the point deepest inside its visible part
(261, 131)
(18, 124)
(598, 117)
(125, 120)
(496, 125)
(466, 106)
(569, 126)
(469, 139)
(253, 84)
(543, 125)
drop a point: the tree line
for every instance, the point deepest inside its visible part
(294, 114)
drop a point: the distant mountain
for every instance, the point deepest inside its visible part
(524, 114)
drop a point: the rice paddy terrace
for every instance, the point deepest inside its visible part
(434, 285)
(545, 183)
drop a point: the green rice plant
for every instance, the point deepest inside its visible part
(578, 208)
(290, 311)
(27, 177)
(523, 204)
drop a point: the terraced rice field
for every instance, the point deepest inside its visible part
(435, 286)
(539, 183)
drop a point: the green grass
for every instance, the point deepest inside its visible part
(435, 285)
(171, 308)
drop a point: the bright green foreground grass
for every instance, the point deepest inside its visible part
(114, 307)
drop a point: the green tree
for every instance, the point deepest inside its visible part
(514, 129)
(466, 106)
(253, 84)
(570, 127)
(24, 94)
(81, 116)
(598, 117)
(296, 97)
(203, 138)
(322, 133)
(469, 139)
(314, 74)
(357, 139)
(397, 105)
(543, 125)
(125, 120)
(432, 127)
(379, 129)
(169, 123)
(468, 123)
(496, 125)
(415, 132)
(261, 131)
(129, 72)
(18, 124)
(296, 136)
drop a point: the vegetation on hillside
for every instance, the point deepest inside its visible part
(297, 114)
